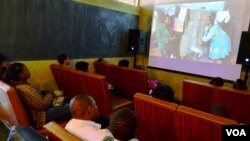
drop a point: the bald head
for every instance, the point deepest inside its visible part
(83, 107)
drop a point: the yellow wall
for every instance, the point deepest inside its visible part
(114, 5)
(41, 74)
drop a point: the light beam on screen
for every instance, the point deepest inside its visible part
(197, 37)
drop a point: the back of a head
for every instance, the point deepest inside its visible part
(219, 110)
(82, 66)
(83, 107)
(239, 84)
(123, 124)
(123, 63)
(217, 81)
(3, 61)
(101, 60)
(12, 73)
(164, 92)
(61, 58)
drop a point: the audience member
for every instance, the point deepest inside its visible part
(36, 102)
(217, 81)
(84, 112)
(123, 63)
(63, 60)
(123, 125)
(82, 66)
(3, 65)
(239, 84)
(164, 92)
(219, 110)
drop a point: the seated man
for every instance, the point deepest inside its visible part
(82, 66)
(123, 63)
(123, 125)
(84, 112)
(217, 81)
(63, 60)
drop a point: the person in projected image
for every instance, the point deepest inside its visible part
(218, 39)
(165, 35)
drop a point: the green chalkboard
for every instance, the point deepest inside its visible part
(41, 29)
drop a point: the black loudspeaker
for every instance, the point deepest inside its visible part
(244, 49)
(136, 40)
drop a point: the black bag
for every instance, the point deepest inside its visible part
(25, 133)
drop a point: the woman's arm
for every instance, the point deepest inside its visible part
(32, 98)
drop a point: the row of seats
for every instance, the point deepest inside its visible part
(126, 81)
(203, 96)
(73, 82)
(157, 119)
(12, 111)
(163, 120)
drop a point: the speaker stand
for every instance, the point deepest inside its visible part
(246, 74)
(135, 59)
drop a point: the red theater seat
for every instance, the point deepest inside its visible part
(155, 118)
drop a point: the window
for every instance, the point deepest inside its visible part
(131, 2)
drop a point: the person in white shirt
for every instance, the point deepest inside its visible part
(84, 112)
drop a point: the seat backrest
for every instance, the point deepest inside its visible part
(12, 110)
(58, 75)
(195, 125)
(102, 69)
(155, 118)
(97, 87)
(197, 95)
(137, 82)
(57, 133)
(118, 79)
(126, 81)
(236, 102)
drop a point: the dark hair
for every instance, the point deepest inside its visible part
(123, 124)
(217, 81)
(61, 58)
(212, 16)
(99, 59)
(123, 63)
(2, 58)
(164, 92)
(239, 84)
(82, 66)
(12, 72)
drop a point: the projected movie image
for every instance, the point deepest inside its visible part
(194, 31)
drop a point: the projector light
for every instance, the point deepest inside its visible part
(132, 48)
(247, 59)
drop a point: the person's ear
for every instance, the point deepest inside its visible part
(89, 109)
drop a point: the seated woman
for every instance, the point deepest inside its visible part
(37, 103)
